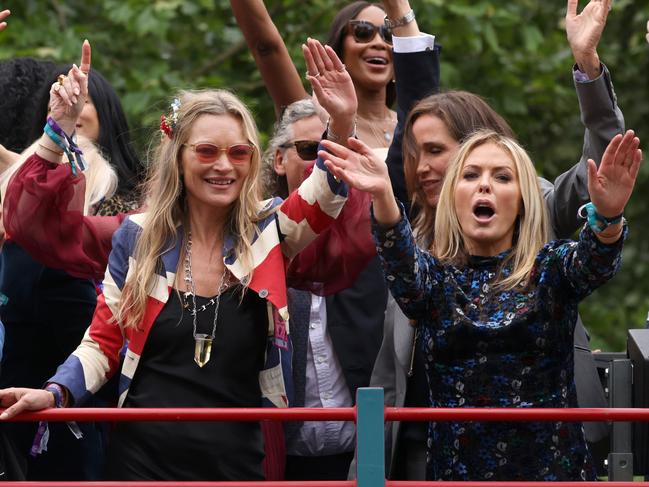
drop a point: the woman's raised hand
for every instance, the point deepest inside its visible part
(69, 94)
(610, 186)
(19, 399)
(3, 15)
(647, 31)
(331, 82)
(358, 166)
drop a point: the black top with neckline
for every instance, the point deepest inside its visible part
(167, 376)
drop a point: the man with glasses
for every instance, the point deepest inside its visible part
(329, 360)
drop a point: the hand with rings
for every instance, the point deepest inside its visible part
(331, 82)
(69, 93)
(59, 82)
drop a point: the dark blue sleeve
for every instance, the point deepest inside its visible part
(412, 274)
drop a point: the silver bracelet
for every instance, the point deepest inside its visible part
(406, 19)
(339, 140)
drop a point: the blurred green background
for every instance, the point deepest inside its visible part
(513, 53)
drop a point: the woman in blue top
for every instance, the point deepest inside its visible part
(496, 306)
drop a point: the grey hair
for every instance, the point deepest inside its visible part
(273, 184)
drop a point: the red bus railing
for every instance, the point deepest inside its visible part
(369, 415)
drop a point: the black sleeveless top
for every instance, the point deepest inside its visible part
(167, 376)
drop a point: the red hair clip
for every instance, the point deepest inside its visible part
(165, 128)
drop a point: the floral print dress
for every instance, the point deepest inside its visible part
(489, 348)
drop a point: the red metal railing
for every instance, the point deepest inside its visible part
(338, 414)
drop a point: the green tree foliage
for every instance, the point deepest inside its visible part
(513, 53)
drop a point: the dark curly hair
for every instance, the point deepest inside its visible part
(20, 79)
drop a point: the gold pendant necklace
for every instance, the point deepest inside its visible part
(203, 341)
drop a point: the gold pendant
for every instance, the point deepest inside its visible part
(202, 349)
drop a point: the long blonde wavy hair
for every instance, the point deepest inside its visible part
(101, 178)
(532, 226)
(165, 200)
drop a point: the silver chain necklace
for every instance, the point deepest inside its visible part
(203, 341)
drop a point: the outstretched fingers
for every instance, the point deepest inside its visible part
(3, 15)
(335, 60)
(335, 149)
(320, 67)
(611, 150)
(324, 56)
(635, 165)
(311, 67)
(624, 152)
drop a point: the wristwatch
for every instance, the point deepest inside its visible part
(406, 19)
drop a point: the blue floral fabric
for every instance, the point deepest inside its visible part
(489, 348)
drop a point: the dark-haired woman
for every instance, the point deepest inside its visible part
(361, 41)
(49, 309)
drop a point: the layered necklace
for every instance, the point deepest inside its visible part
(381, 129)
(203, 341)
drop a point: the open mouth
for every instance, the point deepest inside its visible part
(483, 210)
(377, 61)
(219, 182)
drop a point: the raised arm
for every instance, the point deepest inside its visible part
(282, 80)
(44, 200)
(410, 272)
(320, 198)
(333, 89)
(610, 185)
(600, 114)
(416, 71)
(593, 260)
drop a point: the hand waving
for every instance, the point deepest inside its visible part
(611, 185)
(358, 167)
(68, 97)
(330, 80)
(584, 30)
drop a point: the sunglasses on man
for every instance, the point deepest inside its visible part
(307, 150)
(207, 153)
(364, 31)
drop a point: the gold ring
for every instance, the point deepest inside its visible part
(61, 79)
